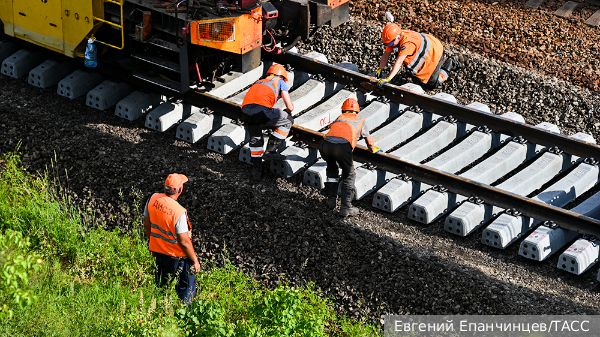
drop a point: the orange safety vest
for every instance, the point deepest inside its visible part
(347, 126)
(264, 92)
(427, 55)
(164, 213)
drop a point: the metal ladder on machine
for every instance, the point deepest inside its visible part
(120, 25)
(154, 60)
(151, 60)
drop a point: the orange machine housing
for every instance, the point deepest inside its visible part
(235, 34)
(335, 3)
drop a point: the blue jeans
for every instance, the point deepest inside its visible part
(168, 267)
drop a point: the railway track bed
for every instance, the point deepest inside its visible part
(378, 253)
(567, 9)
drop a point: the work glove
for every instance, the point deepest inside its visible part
(378, 74)
(377, 150)
(382, 81)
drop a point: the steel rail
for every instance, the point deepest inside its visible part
(491, 195)
(460, 112)
(467, 187)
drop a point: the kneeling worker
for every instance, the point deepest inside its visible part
(258, 111)
(423, 55)
(169, 232)
(336, 148)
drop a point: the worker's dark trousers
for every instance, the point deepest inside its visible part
(434, 80)
(256, 117)
(339, 154)
(168, 267)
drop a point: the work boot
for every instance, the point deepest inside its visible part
(459, 61)
(448, 64)
(331, 192)
(453, 63)
(271, 151)
(347, 209)
(256, 168)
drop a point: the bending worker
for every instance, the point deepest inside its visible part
(169, 231)
(258, 111)
(423, 55)
(336, 148)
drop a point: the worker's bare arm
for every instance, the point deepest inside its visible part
(288, 101)
(370, 144)
(397, 66)
(147, 226)
(384, 59)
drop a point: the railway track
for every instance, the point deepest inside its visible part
(567, 9)
(442, 159)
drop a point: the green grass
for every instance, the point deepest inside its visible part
(82, 280)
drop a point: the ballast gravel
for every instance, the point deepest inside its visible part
(280, 230)
(500, 85)
(506, 30)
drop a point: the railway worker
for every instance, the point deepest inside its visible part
(336, 148)
(258, 113)
(169, 232)
(422, 54)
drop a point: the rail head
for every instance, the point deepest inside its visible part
(469, 188)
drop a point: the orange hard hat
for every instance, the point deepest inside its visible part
(351, 105)
(174, 181)
(390, 32)
(279, 70)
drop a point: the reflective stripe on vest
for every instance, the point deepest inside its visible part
(417, 62)
(264, 92)
(426, 57)
(164, 212)
(156, 235)
(347, 126)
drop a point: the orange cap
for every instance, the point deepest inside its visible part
(279, 70)
(175, 181)
(351, 105)
(390, 32)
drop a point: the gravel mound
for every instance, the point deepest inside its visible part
(505, 30)
(280, 230)
(500, 85)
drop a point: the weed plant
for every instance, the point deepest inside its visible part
(81, 280)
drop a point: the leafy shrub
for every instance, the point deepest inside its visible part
(204, 318)
(16, 266)
(288, 311)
